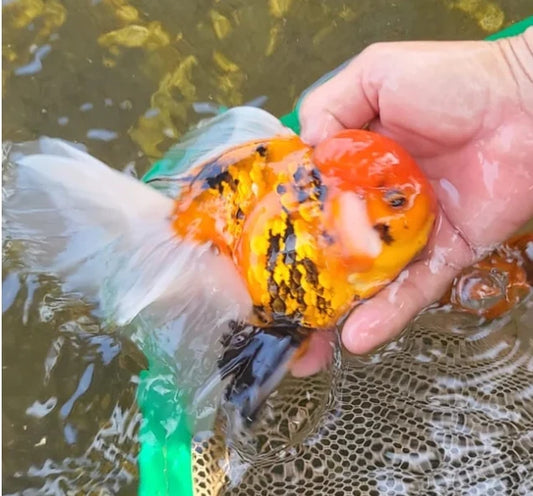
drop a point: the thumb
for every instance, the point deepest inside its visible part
(344, 101)
(383, 316)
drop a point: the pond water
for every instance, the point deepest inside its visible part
(445, 409)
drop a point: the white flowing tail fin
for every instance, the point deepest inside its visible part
(103, 233)
(109, 237)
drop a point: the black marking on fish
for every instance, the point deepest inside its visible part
(322, 304)
(280, 189)
(300, 298)
(273, 289)
(311, 275)
(289, 241)
(274, 246)
(315, 174)
(254, 357)
(308, 186)
(320, 189)
(384, 233)
(211, 169)
(300, 173)
(311, 272)
(262, 150)
(322, 194)
(183, 179)
(261, 314)
(273, 251)
(328, 238)
(278, 306)
(295, 286)
(217, 182)
(302, 195)
(296, 276)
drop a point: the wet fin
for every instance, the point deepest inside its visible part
(211, 108)
(105, 235)
(257, 359)
(209, 140)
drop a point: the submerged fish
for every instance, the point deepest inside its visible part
(495, 284)
(275, 238)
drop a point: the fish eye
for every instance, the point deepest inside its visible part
(395, 198)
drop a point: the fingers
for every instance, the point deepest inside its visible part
(383, 317)
(317, 357)
(345, 101)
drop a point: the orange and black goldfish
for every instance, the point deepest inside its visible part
(495, 284)
(278, 239)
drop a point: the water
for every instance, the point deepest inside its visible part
(121, 77)
(433, 413)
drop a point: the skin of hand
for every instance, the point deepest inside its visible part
(464, 110)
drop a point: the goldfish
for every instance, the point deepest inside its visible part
(278, 239)
(494, 285)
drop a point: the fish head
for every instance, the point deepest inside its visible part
(380, 206)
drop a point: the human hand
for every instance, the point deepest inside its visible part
(464, 110)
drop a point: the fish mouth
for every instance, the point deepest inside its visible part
(256, 359)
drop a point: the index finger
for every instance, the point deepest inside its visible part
(344, 101)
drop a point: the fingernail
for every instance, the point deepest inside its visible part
(359, 337)
(311, 131)
(354, 340)
(321, 128)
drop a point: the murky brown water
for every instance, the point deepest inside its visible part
(121, 77)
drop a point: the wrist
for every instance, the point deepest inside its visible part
(517, 52)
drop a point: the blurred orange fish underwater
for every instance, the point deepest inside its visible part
(259, 238)
(493, 286)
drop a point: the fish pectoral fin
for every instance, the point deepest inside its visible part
(257, 359)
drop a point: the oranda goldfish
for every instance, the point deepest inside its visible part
(495, 284)
(306, 233)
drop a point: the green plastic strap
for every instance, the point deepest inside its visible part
(291, 120)
(512, 30)
(165, 461)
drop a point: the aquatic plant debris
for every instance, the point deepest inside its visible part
(489, 16)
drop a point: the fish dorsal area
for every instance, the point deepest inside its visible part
(263, 205)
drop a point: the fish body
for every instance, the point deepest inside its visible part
(311, 231)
